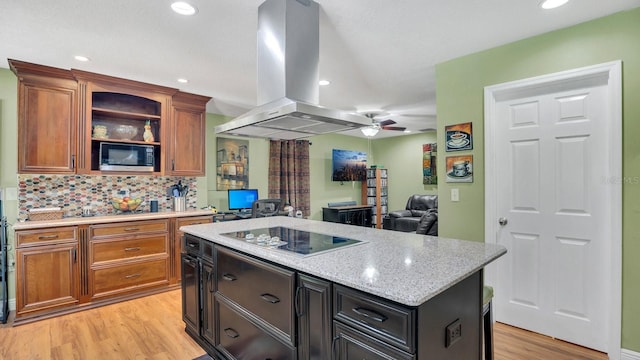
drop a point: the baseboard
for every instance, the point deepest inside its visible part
(629, 355)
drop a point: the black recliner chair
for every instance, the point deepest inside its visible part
(407, 220)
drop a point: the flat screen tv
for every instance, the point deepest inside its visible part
(240, 199)
(349, 165)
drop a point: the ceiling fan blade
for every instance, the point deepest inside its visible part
(386, 122)
(399, 128)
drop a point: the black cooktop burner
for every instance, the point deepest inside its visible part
(298, 241)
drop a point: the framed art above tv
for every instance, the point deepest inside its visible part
(348, 165)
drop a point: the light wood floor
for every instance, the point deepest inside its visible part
(152, 328)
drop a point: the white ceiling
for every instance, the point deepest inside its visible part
(378, 54)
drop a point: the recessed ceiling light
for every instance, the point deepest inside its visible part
(184, 81)
(552, 4)
(407, 130)
(81, 58)
(184, 8)
(324, 82)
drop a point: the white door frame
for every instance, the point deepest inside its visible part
(494, 94)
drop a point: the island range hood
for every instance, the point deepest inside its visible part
(288, 90)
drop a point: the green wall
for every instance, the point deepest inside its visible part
(460, 84)
(402, 156)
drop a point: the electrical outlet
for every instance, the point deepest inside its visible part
(453, 333)
(455, 195)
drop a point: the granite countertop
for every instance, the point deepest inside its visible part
(402, 267)
(71, 221)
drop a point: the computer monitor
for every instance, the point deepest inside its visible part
(242, 199)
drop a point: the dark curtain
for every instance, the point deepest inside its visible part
(289, 173)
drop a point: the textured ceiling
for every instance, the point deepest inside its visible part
(378, 54)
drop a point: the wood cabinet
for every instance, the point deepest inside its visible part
(253, 304)
(122, 108)
(64, 115)
(46, 270)
(47, 119)
(375, 193)
(186, 152)
(175, 247)
(253, 301)
(69, 268)
(313, 309)
(125, 257)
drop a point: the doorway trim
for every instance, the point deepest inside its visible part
(495, 93)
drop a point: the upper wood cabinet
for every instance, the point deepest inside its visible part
(61, 110)
(187, 135)
(115, 104)
(47, 119)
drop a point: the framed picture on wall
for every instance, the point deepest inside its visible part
(429, 154)
(459, 169)
(458, 137)
(232, 164)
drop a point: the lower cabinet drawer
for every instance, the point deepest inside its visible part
(387, 321)
(126, 277)
(261, 288)
(352, 344)
(239, 337)
(128, 248)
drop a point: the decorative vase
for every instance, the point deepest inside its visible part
(147, 136)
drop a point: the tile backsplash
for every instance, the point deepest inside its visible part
(73, 192)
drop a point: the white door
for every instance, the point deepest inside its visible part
(552, 172)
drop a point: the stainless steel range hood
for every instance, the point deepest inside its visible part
(288, 92)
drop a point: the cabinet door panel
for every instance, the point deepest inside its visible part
(187, 151)
(47, 278)
(191, 293)
(207, 286)
(47, 127)
(353, 344)
(128, 248)
(263, 289)
(129, 277)
(313, 307)
(241, 339)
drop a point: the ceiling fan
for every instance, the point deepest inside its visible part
(379, 125)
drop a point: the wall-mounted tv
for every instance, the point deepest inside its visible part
(349, 165)
(240, 199)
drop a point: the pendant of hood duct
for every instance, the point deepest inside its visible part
(288, 90)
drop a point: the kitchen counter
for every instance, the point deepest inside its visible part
(29, 225)
(406, 268)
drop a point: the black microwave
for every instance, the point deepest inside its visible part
(126, 157)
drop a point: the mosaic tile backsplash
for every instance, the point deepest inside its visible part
(73, 192)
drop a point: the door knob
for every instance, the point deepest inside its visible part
(502, 221)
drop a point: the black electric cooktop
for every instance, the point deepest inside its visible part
(297, 241)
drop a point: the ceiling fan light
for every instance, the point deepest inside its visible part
(369, 131)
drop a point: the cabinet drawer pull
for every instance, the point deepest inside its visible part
(191, 245)
(270, 298)
(231, 333)
(229, 277)
(131, 229)
(44, 237)
(370, 314)
(132, 249)
(132, 276)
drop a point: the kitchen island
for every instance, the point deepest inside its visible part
(383, 294)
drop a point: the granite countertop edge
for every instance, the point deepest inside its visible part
(403, 267)
(104, 219)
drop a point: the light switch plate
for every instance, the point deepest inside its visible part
(455, 195)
